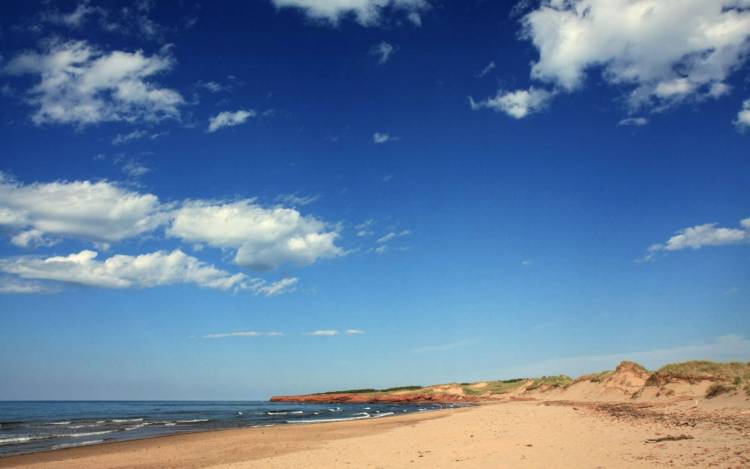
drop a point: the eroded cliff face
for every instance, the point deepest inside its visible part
(376, 398)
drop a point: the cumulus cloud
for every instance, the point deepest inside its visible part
(662, 52)
(383, 52)
(79, 84)
(354, 332)
(743, 117)
(263, 238)
(97, 211)
(122, 271)
(366, 12)
(150, 270)
(696, 237)
(229, 119)
(224, 335)
(517, 104)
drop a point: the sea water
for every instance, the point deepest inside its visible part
(30, 426)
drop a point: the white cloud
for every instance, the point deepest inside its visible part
(122, 271)
(13, 286)
(365, 228)
(211, 86)
(79, 84)
(392, 235)
(743, 117)
(263, 237)
(223, 335)
(31, 239)
(517, 104)
(150, 270)
(128, 137)
(295, 200)
(324, 333)
(285, 285)
(354, 332)
(366, 12)
(383, 52)
(130, 19)
(73, 19)
(229, 119)
(633, 122)
(663, 52)
(102, 212)
(490, 67)
(381, 137)
(98, 211)
(383, 243)
(134, 168)
(696, 237)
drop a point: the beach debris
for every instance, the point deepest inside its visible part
(669, 438)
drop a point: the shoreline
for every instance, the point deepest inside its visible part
(338, 430)
(508, 433)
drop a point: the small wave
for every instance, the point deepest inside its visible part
(22, 439)
(285, 412)
(384, 414)
(341, 419)
(192, 421)
(239, 413)
(87, 425)
(135, 427)
(82, 443)
(66, 422)
(80, 435)
(127, 420)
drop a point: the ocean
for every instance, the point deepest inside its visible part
(31, 426)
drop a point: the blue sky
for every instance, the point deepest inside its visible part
(229, 200)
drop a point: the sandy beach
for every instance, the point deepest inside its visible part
(514, 433)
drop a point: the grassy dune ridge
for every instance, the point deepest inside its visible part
(704, 379)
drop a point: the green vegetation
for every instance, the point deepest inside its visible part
(717, 389)
(351, 391)
(732, 372)
(596, 377)
(504, 386)
(372, 390)
(402, 388)
(559, 381)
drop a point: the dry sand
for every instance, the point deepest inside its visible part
(505, 434)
